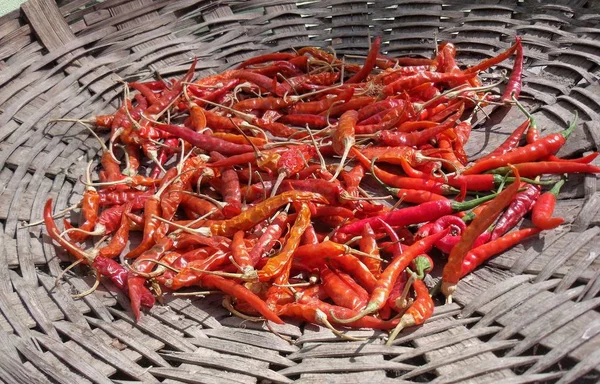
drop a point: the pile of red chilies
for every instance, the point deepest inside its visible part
(226, 180)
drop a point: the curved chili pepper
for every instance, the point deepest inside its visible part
(230, 189)
(543, 147)
(513, 88)
(412, 81)
(416, 139)
(582, 160)
(200, 206)
(145, 264)
(104, 266)
(343, 290)
(378, 107)
(266, 58)
(422, 264)
(343, 137)
(205, 142)
(277, 263)
(510, 143)
(316, 107)
(145, 91)
(368, 244)
(369, 63)
(420, 310)
(539, 168)
(190, 274)
(278, 293)
(240, 253)
(397, 300)
(310, 81)
(240, 292)
(405, 182)
(353, 178)
(457, 227)
(451, 273)
(170, 95)
(353, 104)
(488, 63)
(119, 240)
(518, 208)
(544, 207)
(428, 211)
(478, 255)
(318, 311)
(268, 239)
(392, 271)
(270, 85)
(256, 214)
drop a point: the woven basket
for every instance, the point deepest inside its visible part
(529, 315)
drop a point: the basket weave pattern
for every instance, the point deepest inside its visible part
(529, 315)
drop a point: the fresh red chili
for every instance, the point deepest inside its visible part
(544, 208)
(518, 208)
(541, 148)
(451, 273)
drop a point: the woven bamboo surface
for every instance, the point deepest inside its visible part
(529, 315)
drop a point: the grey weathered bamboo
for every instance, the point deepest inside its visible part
(63, 61)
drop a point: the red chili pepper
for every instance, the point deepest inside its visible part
(368, 244)
(550, 167)
(510, 143)
(478, 255)
(416, 139)
(398, 300)
(119, 240)
(378, 107)
(264, 82)
(369, 63)
(582, 160)
(230, 189)
(276, 264)
(322, 313)
(205, 142)
(518, 208)
(343, 290)
(316, 107)
(353, 104)
(488, 63)
(145, 91)
(240, 254)
(412, 81)
(343, 137)
(191, 274)
(385, 62)
(104, 266)
(513, 88)
(310, 81)
(390, 274)
(412, 215)
(240, 292)
(451, 273)
(417, 313)
(266, 58)
(545, 146)
(544, 208)
(405, 182)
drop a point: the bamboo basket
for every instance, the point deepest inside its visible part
(529, 315)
